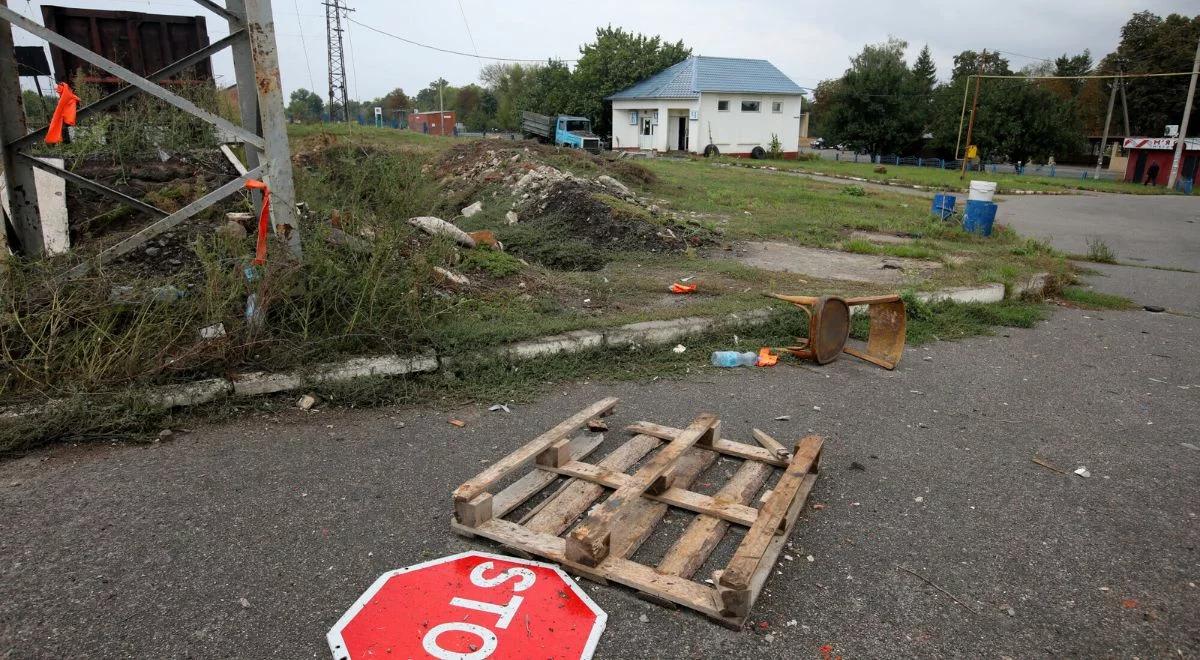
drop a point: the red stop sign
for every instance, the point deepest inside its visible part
(470, 606)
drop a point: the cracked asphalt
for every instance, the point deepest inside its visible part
(250, 538)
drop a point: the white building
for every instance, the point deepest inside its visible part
(732, 104)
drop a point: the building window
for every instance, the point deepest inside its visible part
(751, 106)
(723, 106)
(777, 106)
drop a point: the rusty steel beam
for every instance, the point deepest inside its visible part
(126, 92)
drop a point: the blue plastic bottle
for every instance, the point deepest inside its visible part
(734, 359)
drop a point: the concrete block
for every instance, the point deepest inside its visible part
(261, 382)
(387, 365)
(1034, 286)
(190, 394)
(657, 332)
(988, 293)
(568, 342)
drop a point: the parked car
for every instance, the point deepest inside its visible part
(817, 143)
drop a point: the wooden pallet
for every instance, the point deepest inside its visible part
(600, 545)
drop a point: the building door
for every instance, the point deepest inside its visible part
(646, 138)
(1139, 167)
(683, 122)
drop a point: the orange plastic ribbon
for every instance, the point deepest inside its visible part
(766, 358)
(64, 113)
(683, 288)
(264, 221)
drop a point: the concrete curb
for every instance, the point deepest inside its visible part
(891, 183)
(649, 333)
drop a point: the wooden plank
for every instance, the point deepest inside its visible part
(728, 447)
(704, 533)
(559, 511)
(501, 468)
(644, 514)
(771, 444)
(589, 541)
(749, 555)
(674, 496)
(622, 571)
(775, 547)
(531, 484)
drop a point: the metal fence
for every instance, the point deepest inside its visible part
(982, 166)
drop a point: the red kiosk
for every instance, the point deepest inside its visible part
(1147, 151)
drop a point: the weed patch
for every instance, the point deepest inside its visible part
(1089, 299)
(1100, 252)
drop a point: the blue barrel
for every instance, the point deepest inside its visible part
(943, 205)
(979, 217)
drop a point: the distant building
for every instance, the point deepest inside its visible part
(735, 105)
(1143, 152)
(432, 123)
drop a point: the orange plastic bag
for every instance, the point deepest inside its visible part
(264, 221)
(766, 358)
(683, 288)
(64, 113)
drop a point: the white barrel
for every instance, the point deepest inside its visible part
(982, 191)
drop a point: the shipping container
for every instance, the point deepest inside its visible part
(142, 43)
(433, 123)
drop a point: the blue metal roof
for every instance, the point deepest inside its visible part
(697, 74)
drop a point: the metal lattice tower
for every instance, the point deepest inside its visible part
(338, 101)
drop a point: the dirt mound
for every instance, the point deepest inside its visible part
(573, 207)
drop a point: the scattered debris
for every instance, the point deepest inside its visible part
(1188, 445)
(243, 602)
(1154, 308)
(918, 500)
(438, 227)
(1008, 609)
(451, 276)
(306, 402)
(930, 583)
(214, 331)
(457, 423)
(596, 425)
(1129, 603)
(472, 209)
(498, 407)
(855, 465)
(683, 288)
(679, 348)
(829, 328)
(667, 478)
(643, 618)
(1043, 463)
(232, 231)
(1083, 472)
(486, 237)
(811, 558)
(766, 358)
(512, 217)
(166, 434)
(783, 418)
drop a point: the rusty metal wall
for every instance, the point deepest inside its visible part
(142, 43)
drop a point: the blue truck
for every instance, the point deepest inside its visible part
(561, 130)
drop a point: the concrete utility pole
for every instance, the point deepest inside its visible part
(1112, 99)
(1183, 125)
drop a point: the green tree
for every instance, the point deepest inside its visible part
(875, 106)
(551, 90)
(615, 60)
(1016, 120)
(925, 71)
(970, 62)
(393, 102)
(437, 95)
(1153, 44)
(37, 109)
(508, 84)
(305, 106)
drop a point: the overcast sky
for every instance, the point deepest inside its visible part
(809, 41)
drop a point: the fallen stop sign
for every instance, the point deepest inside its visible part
(470, 606)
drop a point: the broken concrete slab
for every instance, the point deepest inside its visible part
(472, 209)
(831, 264)
(657, 332)
(568, 342)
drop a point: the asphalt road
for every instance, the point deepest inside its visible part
(1156, 230)
(149, 551)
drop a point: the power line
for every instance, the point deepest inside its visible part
(1082, 77)
(469, 35)
(336, 60)
(1028, 57)
(312, 83)
(449, 51)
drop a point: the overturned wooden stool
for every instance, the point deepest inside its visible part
(607, 534)
(829, 328)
